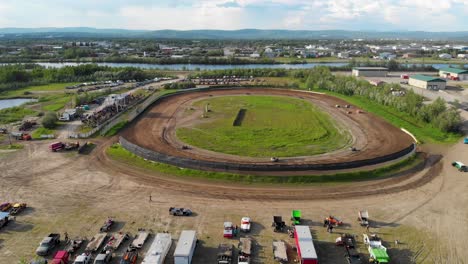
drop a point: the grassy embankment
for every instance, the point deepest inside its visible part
(424, 132)
(36, 91)
(13, 114)
(118, 153)
(272, 126)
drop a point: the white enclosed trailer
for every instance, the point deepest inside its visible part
(185, 247)
(159, 249)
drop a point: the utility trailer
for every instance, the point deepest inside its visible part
(158, 250)
(280, 251)
(140, 239)
(245, 250)
(115, 241)
(305, 245)
(363, 218)
(96, 242)
(377, 252)
(224, 254)
(185, 247)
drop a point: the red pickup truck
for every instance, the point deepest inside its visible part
(56, 146)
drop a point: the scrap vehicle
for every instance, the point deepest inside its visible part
(346, 240)
(104, 257)
(331, 220)
(377, 252)
(363, 218)
(47, 244)
(5, 207)
(4, 218)
(296, 217)
(280, 251)
(245, 250)
(72, 145)
(130, 256)
(460, 166)
(84, 258)
(278, 223)
(74, 244)
(17, 208)
(228, 230)
(465, 141)
(224, 254)
(26, 125)
(185, 247)
(159, 249)
(56, 146)
(107, 225)
(3, 131)
(96, 242)
(140, 239)
(180, 211)
(21, 136)
(245, 224)
(115, 241)
(61, 257)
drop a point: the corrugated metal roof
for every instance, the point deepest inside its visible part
(186, 240)
(427, 78)
(305, 242)
(454, 70)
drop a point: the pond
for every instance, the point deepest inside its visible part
(7, 103)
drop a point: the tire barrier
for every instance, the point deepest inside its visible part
(224, 166)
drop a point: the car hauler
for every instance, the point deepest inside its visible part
(159, 249)
(305, 245)
(185, 247)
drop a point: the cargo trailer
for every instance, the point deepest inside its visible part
(158, 249)
(185, 247)
(305, 245)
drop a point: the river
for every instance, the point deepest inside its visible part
(223, 67)
(7, 103)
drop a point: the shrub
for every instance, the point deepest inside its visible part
(50, 120)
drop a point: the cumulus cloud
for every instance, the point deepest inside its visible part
(428, 15)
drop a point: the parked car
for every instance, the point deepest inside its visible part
(180, 211)
(245, 224)
(129, 257)
(83, 259)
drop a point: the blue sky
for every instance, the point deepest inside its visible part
(379, 15)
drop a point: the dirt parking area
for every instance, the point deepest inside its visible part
(66, 192)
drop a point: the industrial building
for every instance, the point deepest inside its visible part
(427, 82)
(454, 73)
(370, 71)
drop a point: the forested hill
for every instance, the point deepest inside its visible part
(225, 34)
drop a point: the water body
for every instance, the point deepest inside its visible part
(200, 66)
(7, 103)
(225, 67)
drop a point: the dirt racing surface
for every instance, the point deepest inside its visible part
(372, 136)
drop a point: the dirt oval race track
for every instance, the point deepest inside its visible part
(155, 132)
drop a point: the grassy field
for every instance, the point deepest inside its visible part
(13, 114)
(54, 102)
(36, 134)
(120, 154)
(30, 90)
(272, 126)
(422, 131)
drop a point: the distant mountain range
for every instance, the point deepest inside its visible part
(77, 32)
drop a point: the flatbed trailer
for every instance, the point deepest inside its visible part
(96, 242)
(245, 250)
(280, 251)
(115, 241)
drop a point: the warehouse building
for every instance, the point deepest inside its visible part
(427, 82)
(370, 71)
(454, 73)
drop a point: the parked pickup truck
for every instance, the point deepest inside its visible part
(47, 244)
